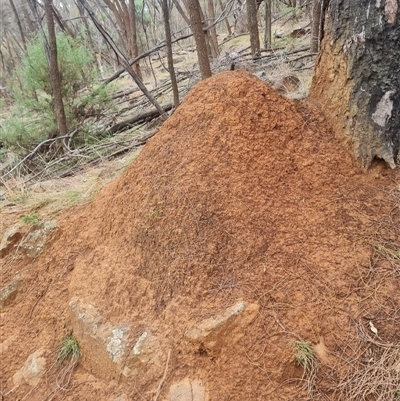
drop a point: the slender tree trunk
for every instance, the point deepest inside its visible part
(356, 80)
(168, 41)
(54, 71)
(62, 24)
(316, 25)
(268, 25)
(21, 31)
(213, 30)
(228, 26)
(199, 37)
(253, 28)
(181, 11)
(134, 44)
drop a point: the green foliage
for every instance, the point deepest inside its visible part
(33, 94)
(31, 219)
(69, 350)
(303, 354)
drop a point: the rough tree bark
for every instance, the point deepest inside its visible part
(133, 37)
(21, 31)
(213, 30)
(55, 76)
(168, 41)
(356, 80)
(316, 25)
(253, 28)
(199, 37)
(268, 25)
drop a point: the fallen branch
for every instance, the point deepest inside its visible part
(29, 155)
(163, 378)
(149, 115)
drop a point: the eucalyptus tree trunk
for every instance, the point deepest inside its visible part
(55, 76)
(168, 41)
(268, 25)
(253, 28)
(356, 80)
(199, 37)
(316, 24)
(213, 29)
(17, 18)
(133, 37)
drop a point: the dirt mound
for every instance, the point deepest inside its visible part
(242, 195)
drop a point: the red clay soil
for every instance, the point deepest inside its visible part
(242, 195)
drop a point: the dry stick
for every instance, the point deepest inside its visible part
(124, 61)
(32, 153)
(163, 378)
(128, 123)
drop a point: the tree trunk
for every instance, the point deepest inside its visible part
(356, 77)
(168, 41)
(228, 26)
(316, 25)
(199, 37)
(212, 30)
(55, 77)
(134, 45)
(21, 31)
(268, 25)
(253, 28)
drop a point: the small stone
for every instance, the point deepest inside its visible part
(10, 238)
(188, 390)
(9, 292)
(224, 328)
(32, 371)
(38, 237)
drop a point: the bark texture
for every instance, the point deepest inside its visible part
(199, 37)
(356, 80)
(168, 41)
(253, 28)
(55, 76)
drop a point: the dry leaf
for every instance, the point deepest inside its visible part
(373, 328)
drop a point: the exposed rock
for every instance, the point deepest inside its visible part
(38, 237)
(32, 371)
(188, 390)
(107, 348)
(145, 351)
(10, 238)
(9, 292)
(222, 329)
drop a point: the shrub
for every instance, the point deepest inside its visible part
(33, 119)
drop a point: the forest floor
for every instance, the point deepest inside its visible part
(243, 197)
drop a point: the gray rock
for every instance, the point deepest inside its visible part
(35, 241)
(110, 349)
(32, 371)
(9, 292)
(224, 328)
(10, 238)
(188, 390)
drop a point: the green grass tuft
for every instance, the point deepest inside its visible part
(303, 354)
(69, 350)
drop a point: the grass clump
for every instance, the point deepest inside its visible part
(69, 350)
(303, 354)
(31, 219)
